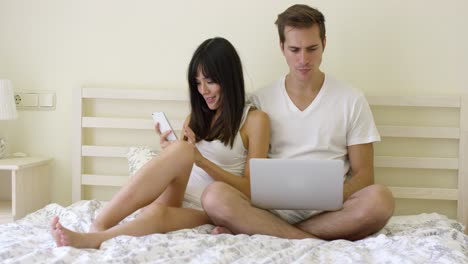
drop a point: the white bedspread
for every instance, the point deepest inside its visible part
(426, 238)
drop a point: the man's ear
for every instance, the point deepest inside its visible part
(282, 46)
(324, 42)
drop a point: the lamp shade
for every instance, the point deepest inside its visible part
(7, 101)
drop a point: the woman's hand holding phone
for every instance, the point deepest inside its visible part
(163, 141)
(163, 129)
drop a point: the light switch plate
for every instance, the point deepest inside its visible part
(47, 100)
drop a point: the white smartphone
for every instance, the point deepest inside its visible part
(164, 125)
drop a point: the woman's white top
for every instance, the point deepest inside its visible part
(230, 159)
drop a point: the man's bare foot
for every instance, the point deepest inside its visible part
(220, 230)
(64, 237)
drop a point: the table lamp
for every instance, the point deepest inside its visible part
(7, 109)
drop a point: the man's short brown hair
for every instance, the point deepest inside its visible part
(300, 16)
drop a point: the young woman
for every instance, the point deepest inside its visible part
(220, 135)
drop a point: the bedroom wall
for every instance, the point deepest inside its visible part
(382, 47)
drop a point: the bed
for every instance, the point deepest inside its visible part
(423, 158)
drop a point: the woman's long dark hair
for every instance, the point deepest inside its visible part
(219, 61)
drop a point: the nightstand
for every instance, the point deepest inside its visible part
(24, 186)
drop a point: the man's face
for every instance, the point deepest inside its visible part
(303, 51)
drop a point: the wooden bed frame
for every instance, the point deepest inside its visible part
(129, 111)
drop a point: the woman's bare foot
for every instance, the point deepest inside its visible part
(96, 228)
(65, 237)
(220, 230)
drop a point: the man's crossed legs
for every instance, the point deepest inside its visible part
(364, 213)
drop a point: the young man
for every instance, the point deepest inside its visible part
(312, 116)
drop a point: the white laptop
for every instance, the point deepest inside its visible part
(297, 184)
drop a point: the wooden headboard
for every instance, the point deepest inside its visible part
(423, 156)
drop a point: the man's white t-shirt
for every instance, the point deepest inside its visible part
(338, 117)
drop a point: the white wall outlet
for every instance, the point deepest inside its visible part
(35, 100)
(29, 100)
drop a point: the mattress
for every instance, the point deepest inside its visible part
(424, 238)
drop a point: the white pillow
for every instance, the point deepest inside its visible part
(137, 157)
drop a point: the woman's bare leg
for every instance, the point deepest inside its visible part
(168, 173)
(156, 218)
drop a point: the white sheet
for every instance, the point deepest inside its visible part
(426, 238)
